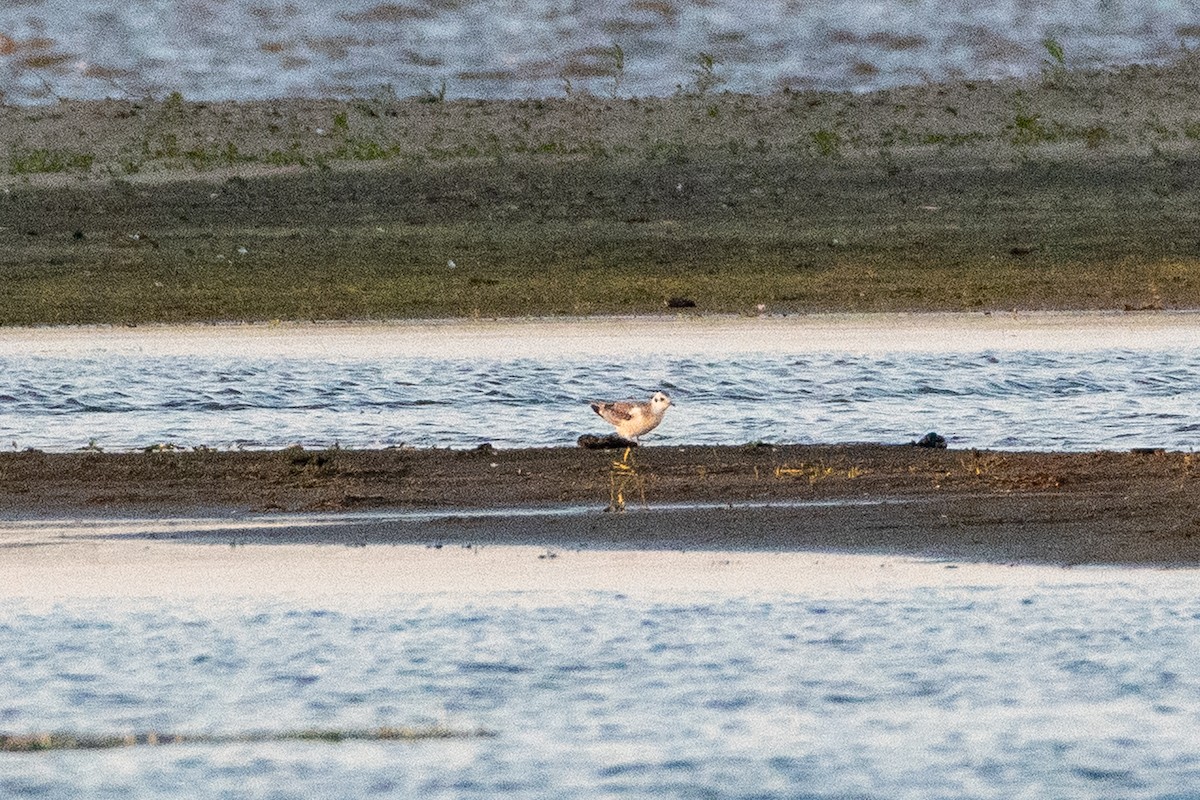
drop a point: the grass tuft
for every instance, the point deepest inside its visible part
(828, 143)
(48, 160)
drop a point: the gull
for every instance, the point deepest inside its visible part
(632, 418)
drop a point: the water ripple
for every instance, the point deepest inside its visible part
(996, 692)
(1018, 399)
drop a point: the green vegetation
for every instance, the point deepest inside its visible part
(204, 158)
(176, 134)
(1054, 68)
(616, 57)
(174, 103)
(294, 155)
(42, 160)
(704, 75)
(827, 143)
(365, 150)
(1030, 130)
(1055, 51)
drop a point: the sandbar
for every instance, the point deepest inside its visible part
(49, 569)
(1137, 507)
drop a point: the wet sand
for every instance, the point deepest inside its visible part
(47, 570)
(545, 337)
(999, 507)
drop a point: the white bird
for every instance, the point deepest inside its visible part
(633, 418)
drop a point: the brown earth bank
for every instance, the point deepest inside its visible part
(1062, 508)
(1066, 191)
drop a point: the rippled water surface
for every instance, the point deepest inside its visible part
(242, 49)
(1016, 682)
(1052, 387)
(1072, 691)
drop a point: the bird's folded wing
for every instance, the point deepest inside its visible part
(615, 411)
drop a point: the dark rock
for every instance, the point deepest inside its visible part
(610, 442)
(680, 302)
(931, 440)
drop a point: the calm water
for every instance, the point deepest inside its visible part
(515, 387)
(241, 49)
(1076, 690)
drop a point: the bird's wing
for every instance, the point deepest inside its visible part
(619, 411)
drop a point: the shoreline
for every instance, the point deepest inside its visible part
(879, 331)
(353, 577)
(987, 506)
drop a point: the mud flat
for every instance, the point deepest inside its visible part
(1084, 508)
(1071, 190)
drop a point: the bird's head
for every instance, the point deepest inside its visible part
(659, 402)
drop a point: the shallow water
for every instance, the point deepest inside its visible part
(217, 49)
(1052, 382)
(1070, 689)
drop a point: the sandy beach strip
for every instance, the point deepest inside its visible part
(45, 569)
(712, 334)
